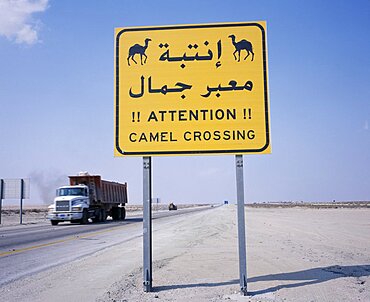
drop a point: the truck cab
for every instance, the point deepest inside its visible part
(69, 204)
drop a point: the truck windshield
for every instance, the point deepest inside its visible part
(71, 192)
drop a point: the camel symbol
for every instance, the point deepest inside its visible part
(138, 49)
(239, 46)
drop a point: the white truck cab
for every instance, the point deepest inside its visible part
(69, 204)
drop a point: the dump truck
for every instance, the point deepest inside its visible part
(88, 196)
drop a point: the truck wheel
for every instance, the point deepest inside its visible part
(123, 213)
(115, 213)
(54, 222)
(84, 218)
(103, 215)
(98, 216)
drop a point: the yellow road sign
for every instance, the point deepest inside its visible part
(191, 89)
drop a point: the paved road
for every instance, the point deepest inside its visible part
(25, 250)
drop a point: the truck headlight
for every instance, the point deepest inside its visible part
(76, 209)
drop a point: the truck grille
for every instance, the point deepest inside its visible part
(62, 206)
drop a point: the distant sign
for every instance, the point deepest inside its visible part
(191, 89)
(14, 188)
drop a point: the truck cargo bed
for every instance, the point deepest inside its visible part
(102, 191)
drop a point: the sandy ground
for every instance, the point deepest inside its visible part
(294, 254)
(31, 215)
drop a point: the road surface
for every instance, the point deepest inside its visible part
(25, 250)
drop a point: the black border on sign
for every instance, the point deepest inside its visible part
(203, 152)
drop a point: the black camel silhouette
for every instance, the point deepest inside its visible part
(239, 46)
(138, 49)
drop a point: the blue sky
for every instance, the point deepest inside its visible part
(56, 99)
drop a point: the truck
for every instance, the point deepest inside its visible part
(88, 196)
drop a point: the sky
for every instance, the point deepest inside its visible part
(56, 99)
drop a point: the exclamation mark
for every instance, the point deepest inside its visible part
(134, 115)
(249, 113)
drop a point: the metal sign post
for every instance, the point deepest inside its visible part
(241, 225)
(21, 201)
(1, 195)
(147, 223)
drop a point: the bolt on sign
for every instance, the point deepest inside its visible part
(191, 89)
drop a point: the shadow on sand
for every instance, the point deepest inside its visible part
(311, 276)
(308, 277)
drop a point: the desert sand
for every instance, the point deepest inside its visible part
(293, 254)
